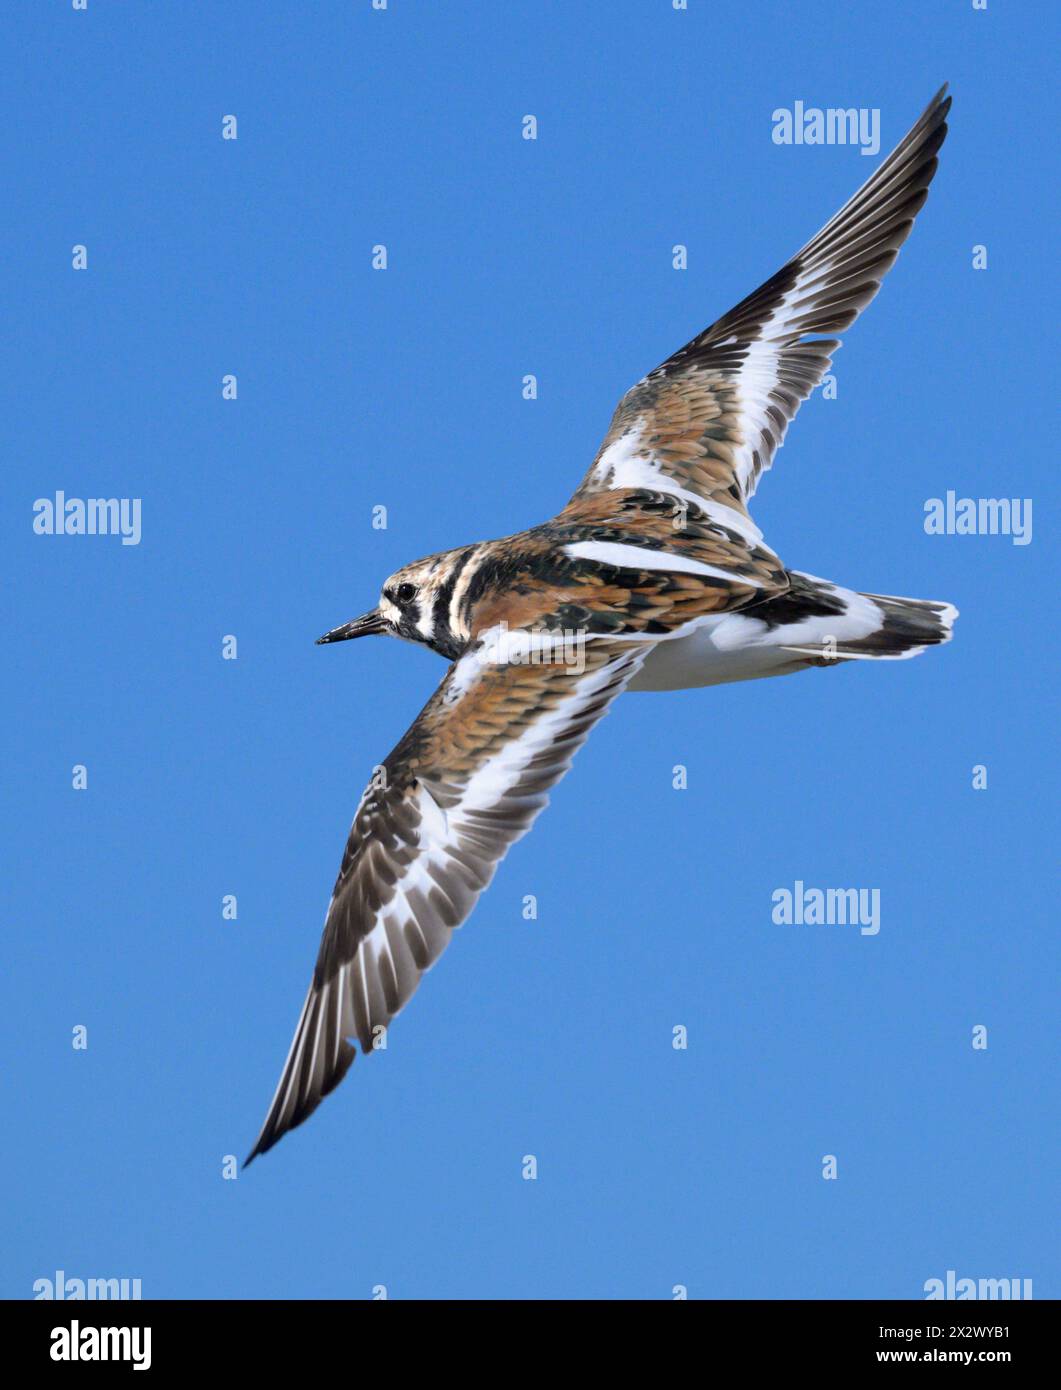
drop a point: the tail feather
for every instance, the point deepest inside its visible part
(910, 625)
(886, 627)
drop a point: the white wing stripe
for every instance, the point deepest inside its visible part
(637, 557)
(627, 463)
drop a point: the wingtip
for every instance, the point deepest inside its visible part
(259, 1148)
(940, 103)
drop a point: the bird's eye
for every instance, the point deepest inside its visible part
(405, 593)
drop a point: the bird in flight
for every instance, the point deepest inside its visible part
(653, 577)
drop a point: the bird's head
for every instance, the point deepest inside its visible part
(414, 603)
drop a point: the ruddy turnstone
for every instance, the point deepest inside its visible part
(653, 577)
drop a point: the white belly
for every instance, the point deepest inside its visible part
(724, 649)
(737, 647)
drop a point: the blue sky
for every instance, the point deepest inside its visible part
(359, 388)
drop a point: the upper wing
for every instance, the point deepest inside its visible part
(709, 420)
(466, 781)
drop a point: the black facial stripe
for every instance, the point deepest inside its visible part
(489, 572)
(440, 613)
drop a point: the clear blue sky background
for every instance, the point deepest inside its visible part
(356, 388)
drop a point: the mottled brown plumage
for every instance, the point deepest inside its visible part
(652, 577)
(691, 415)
